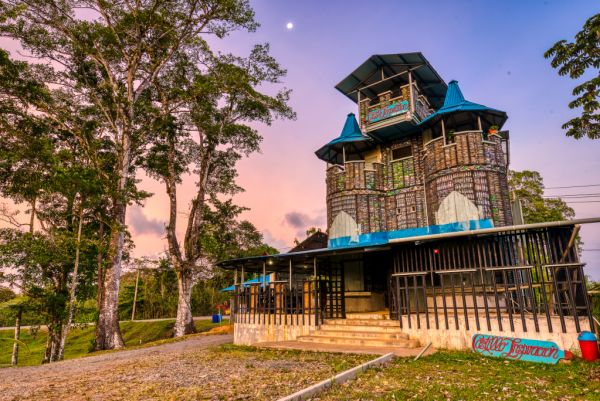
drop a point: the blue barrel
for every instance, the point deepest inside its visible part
(217, 317)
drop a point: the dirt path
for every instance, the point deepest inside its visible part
(117, 375)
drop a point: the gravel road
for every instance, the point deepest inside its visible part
(130, 374)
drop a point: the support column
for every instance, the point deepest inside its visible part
(264, 275)
(290, 274)
(410, 89)
(444, 131)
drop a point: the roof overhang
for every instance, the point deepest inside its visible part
(304, 260)
(381, 71)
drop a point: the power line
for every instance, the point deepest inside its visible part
(594, 195)
(575, 186)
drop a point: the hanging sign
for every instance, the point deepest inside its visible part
(518, 349)
(388, 111)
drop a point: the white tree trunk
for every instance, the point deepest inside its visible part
(184, 324)
(15, 353)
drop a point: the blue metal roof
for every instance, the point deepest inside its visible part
(351, 138)
(351, 132)
(455, 102)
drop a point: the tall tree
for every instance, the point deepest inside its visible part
(107, 54)
(576, 59)
(206, 135)
(528, 187)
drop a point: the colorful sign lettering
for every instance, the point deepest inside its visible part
(391, 110)
(518, 349)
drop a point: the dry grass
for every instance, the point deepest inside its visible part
(185, 370)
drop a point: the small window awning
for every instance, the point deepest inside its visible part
(351, 142)
(460, 111)
(258, 280)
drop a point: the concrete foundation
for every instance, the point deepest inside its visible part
(460, 338)
(274, 329)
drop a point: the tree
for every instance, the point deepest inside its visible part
(576, 59)
(528, 187)
(107, 55)
(43, 164)
(206, 135)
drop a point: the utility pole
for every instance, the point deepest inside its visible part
(137, 280)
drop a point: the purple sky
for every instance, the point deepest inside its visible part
(494, 49)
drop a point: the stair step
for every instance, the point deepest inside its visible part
(364, 322)
(367, 316)
(360, 341)
(360, 328)
(360, 334)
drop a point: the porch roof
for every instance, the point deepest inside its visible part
(302, 261)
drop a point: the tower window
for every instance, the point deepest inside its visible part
(402, 152)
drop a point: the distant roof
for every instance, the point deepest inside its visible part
(455, 102)
(351, 139)
(317, 240)
(429, 81)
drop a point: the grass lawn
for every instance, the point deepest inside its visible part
(81, 339)
(467, 376)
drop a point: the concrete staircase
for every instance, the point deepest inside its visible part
(361, 330)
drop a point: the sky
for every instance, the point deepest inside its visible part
(494, 49)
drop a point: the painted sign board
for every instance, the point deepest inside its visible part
(518, 349)
(388, 111)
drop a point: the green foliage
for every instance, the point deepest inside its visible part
(528, 186)
(157, 294)
(6, 294)
(576, 59)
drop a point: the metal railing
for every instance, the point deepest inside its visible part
(277, 304)
(526, 281)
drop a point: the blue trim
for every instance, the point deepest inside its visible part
(383, 237)
(247, 283)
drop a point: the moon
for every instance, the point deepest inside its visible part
(289, 25)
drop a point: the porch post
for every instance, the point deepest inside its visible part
(410, 89)
(290, 274)
(479, 123)
(443, 131)
(264, 274)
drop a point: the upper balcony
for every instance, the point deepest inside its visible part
(392, 107)
(394, 92)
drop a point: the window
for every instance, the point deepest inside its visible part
(402, 152)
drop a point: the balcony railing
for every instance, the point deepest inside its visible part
(394, 110)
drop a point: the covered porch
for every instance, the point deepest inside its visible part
(524, 281)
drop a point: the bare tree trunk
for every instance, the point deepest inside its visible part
(15, 353)
(184, 324)
(100, 263)
(53, 341)
(73, 289)
(108, 333)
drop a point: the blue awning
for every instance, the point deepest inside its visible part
(258, 280)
